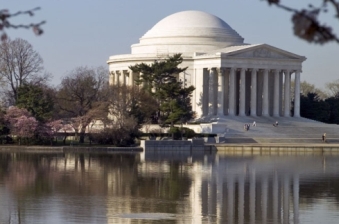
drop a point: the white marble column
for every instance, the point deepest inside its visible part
(226, 90)
(111, 78)
(131, 78)
(242, 92)
(141, 76)
(297, 94)
(265, 94)
(205, 87)
(276, 94)
(122, 78)
(221, 91)
(254, 92)
(287, 100)
(116, 78)
(211, 95)
(232, 92)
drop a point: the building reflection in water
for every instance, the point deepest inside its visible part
(207, 187)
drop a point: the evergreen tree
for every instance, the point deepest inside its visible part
(334, 109)
(36, 99)
(314, 108)
(160, 79)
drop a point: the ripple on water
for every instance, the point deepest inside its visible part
(149, 216)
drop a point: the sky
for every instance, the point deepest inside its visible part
(86, 32)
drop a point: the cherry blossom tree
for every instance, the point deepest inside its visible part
(21, 123)
(307, 23)
(5, 22)
(57, 126)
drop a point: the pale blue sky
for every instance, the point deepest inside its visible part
(87, 32)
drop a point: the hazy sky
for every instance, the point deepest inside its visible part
(87, 32)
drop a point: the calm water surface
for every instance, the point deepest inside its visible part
(168, 188)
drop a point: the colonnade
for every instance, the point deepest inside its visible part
(122, 77)
(239, 91)
(249, 92)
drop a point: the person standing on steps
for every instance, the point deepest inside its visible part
(324, 137)
(254, 124)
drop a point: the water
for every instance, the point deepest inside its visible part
(168, 188)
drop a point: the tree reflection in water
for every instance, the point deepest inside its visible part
(199, 187)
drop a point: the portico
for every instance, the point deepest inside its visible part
(222, 96)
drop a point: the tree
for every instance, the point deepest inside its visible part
(333, 102)
(4, 130)
(5, 23)
(80, 97)
(19, 63)
(126, 102)
(312, 107)
(37, 99)
(160, 80)
(21, 123)
(306, 88)
(306, 21)
(333, 88)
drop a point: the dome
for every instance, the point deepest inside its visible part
(187, 32)
(193, 23)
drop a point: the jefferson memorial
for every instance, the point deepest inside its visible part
(231, 78)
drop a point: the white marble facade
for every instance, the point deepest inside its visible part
(231, 78)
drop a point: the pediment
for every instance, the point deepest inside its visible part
(263, 51)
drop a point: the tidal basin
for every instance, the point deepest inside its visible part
(168, 187)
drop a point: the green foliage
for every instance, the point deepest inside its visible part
(161, 81)
(4, 129)
(35, 99)
(333, 103)
(314, 108)
(113, 136)
(178, 132)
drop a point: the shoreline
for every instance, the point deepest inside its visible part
(219, 147)
(68, 149)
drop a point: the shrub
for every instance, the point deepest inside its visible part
(184, 132)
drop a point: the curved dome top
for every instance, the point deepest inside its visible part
(187, 32)
(193, 23)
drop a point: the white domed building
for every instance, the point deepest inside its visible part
(231, 78)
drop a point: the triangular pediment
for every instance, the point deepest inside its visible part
(259, 51)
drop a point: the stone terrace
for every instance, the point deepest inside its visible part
(289, 130)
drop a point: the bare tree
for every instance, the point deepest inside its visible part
(333, 88)
(80, 97)
(128, 103)
(19, 63)
(306, 88)
(307, 24)
(5, 22)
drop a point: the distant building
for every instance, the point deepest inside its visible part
(231, 78)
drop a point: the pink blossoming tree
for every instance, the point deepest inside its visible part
(21, 123)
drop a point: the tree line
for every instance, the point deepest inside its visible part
(84, 103)
(317, 104)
